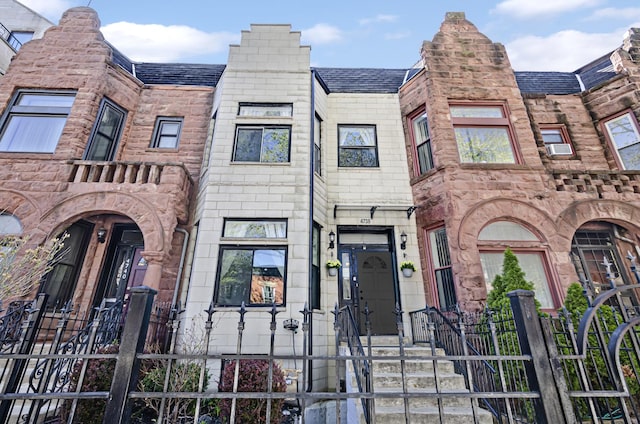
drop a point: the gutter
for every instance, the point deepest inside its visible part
(311, 205)
(183, 254)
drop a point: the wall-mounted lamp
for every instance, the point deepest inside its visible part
(332, 240)
(102, 235)
(403, 241)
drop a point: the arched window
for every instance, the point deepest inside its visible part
(10, 225)
(496, 237)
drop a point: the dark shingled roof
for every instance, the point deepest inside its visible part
(596, 72)
(179, 73)
(362, 80)
(547, 82)
(121, 59)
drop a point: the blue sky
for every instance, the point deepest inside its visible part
(540, 35)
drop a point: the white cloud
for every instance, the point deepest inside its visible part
(321, 34)
(563, 51)
(50, 9)
(397, 35)
(378, 19)
(524, 9)
(162, 43)
(611, 13)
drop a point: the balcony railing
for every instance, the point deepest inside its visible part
(7, 36)
(128, 173)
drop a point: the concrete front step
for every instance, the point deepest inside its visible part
(430, 415)
(419, 379)
(427, 398)
(412, 365)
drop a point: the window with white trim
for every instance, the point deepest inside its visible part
(623, 133)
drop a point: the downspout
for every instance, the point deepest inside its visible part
(311, 190)
(183, 254)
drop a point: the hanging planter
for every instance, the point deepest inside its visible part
(332, 267)
(407, 268)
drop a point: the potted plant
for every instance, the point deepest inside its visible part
(407, 268)
(332, 266)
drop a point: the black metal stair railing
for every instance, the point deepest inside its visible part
(348, 331)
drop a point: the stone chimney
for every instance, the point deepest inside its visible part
(628, 55)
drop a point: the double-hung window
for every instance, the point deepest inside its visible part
(422, 142)
(625, 138)
(106, 132)
(262, 143)
(253, 269)
(483, 133)
(166, 133)
(441, 269)
(34, 122)
(357, 146)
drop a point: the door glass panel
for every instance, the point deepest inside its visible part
(346, 276)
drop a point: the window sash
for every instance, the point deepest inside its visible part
(262, 144)
(625, 137)
(484, 145)
(35, 122)
(250, 274)
(357, 146)
(442, 272)
(531, 263)
(106, 133)
(317, 142)
(166, 133)
(422, 141)
(552, 136)
(266, 109)
(270, 229)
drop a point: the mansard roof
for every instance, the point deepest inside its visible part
(369, 80)
(362, 80)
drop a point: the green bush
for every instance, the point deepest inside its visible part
(252, 377)
(185, 377)
(97, 378)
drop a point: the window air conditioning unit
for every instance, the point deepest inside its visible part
(559, 149)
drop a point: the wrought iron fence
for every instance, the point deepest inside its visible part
(515, 367)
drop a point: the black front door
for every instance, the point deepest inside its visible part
(367, 279)
(124, 267)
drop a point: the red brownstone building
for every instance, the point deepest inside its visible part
(546, 163)
(105, 151)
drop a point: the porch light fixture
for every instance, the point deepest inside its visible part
(332, 239)
(102, 235)
(403, 241)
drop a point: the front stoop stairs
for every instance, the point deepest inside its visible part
(420, 379)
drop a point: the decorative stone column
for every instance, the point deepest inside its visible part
(154, 268)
